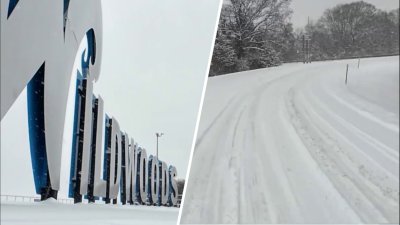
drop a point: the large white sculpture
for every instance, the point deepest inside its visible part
(39, 43)
(46, 32)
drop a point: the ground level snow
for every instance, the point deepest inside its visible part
(50, 213)
(294, 144)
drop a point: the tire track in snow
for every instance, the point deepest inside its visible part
(261, 161)
(371, 176)
(330, 156)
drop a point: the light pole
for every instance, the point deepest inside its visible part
(158, 135)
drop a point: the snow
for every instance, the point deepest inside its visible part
(294, 144)
(58, 214)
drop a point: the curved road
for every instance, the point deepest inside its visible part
(293, 144)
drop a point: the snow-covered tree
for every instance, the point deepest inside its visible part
(253, 29)
(356, 29)
(224, 56)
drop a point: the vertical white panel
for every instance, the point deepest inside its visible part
(100, 185)
(164, 183)
(131, 172)
(114, 179)
(154, 179)
(142, 173)
(173, 191)
(87, 136)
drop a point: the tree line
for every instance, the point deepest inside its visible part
(255, 34)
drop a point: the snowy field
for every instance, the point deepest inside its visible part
(52, 213)
(294, 144)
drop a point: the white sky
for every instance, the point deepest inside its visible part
(155, 59)
(154, 64)
(315, 8)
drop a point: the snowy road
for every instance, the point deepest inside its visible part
(293, 144)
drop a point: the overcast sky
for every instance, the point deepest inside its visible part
(315, 8)
(155, 59)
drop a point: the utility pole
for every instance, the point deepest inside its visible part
(306, 49)
(307, 45)
(157, 136)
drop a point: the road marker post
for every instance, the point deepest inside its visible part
(347, 71)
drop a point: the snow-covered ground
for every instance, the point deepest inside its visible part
(294, 144)
(53, 213)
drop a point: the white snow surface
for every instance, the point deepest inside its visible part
(53, 213)
(294, 144)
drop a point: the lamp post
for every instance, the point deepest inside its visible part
(158, 135)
